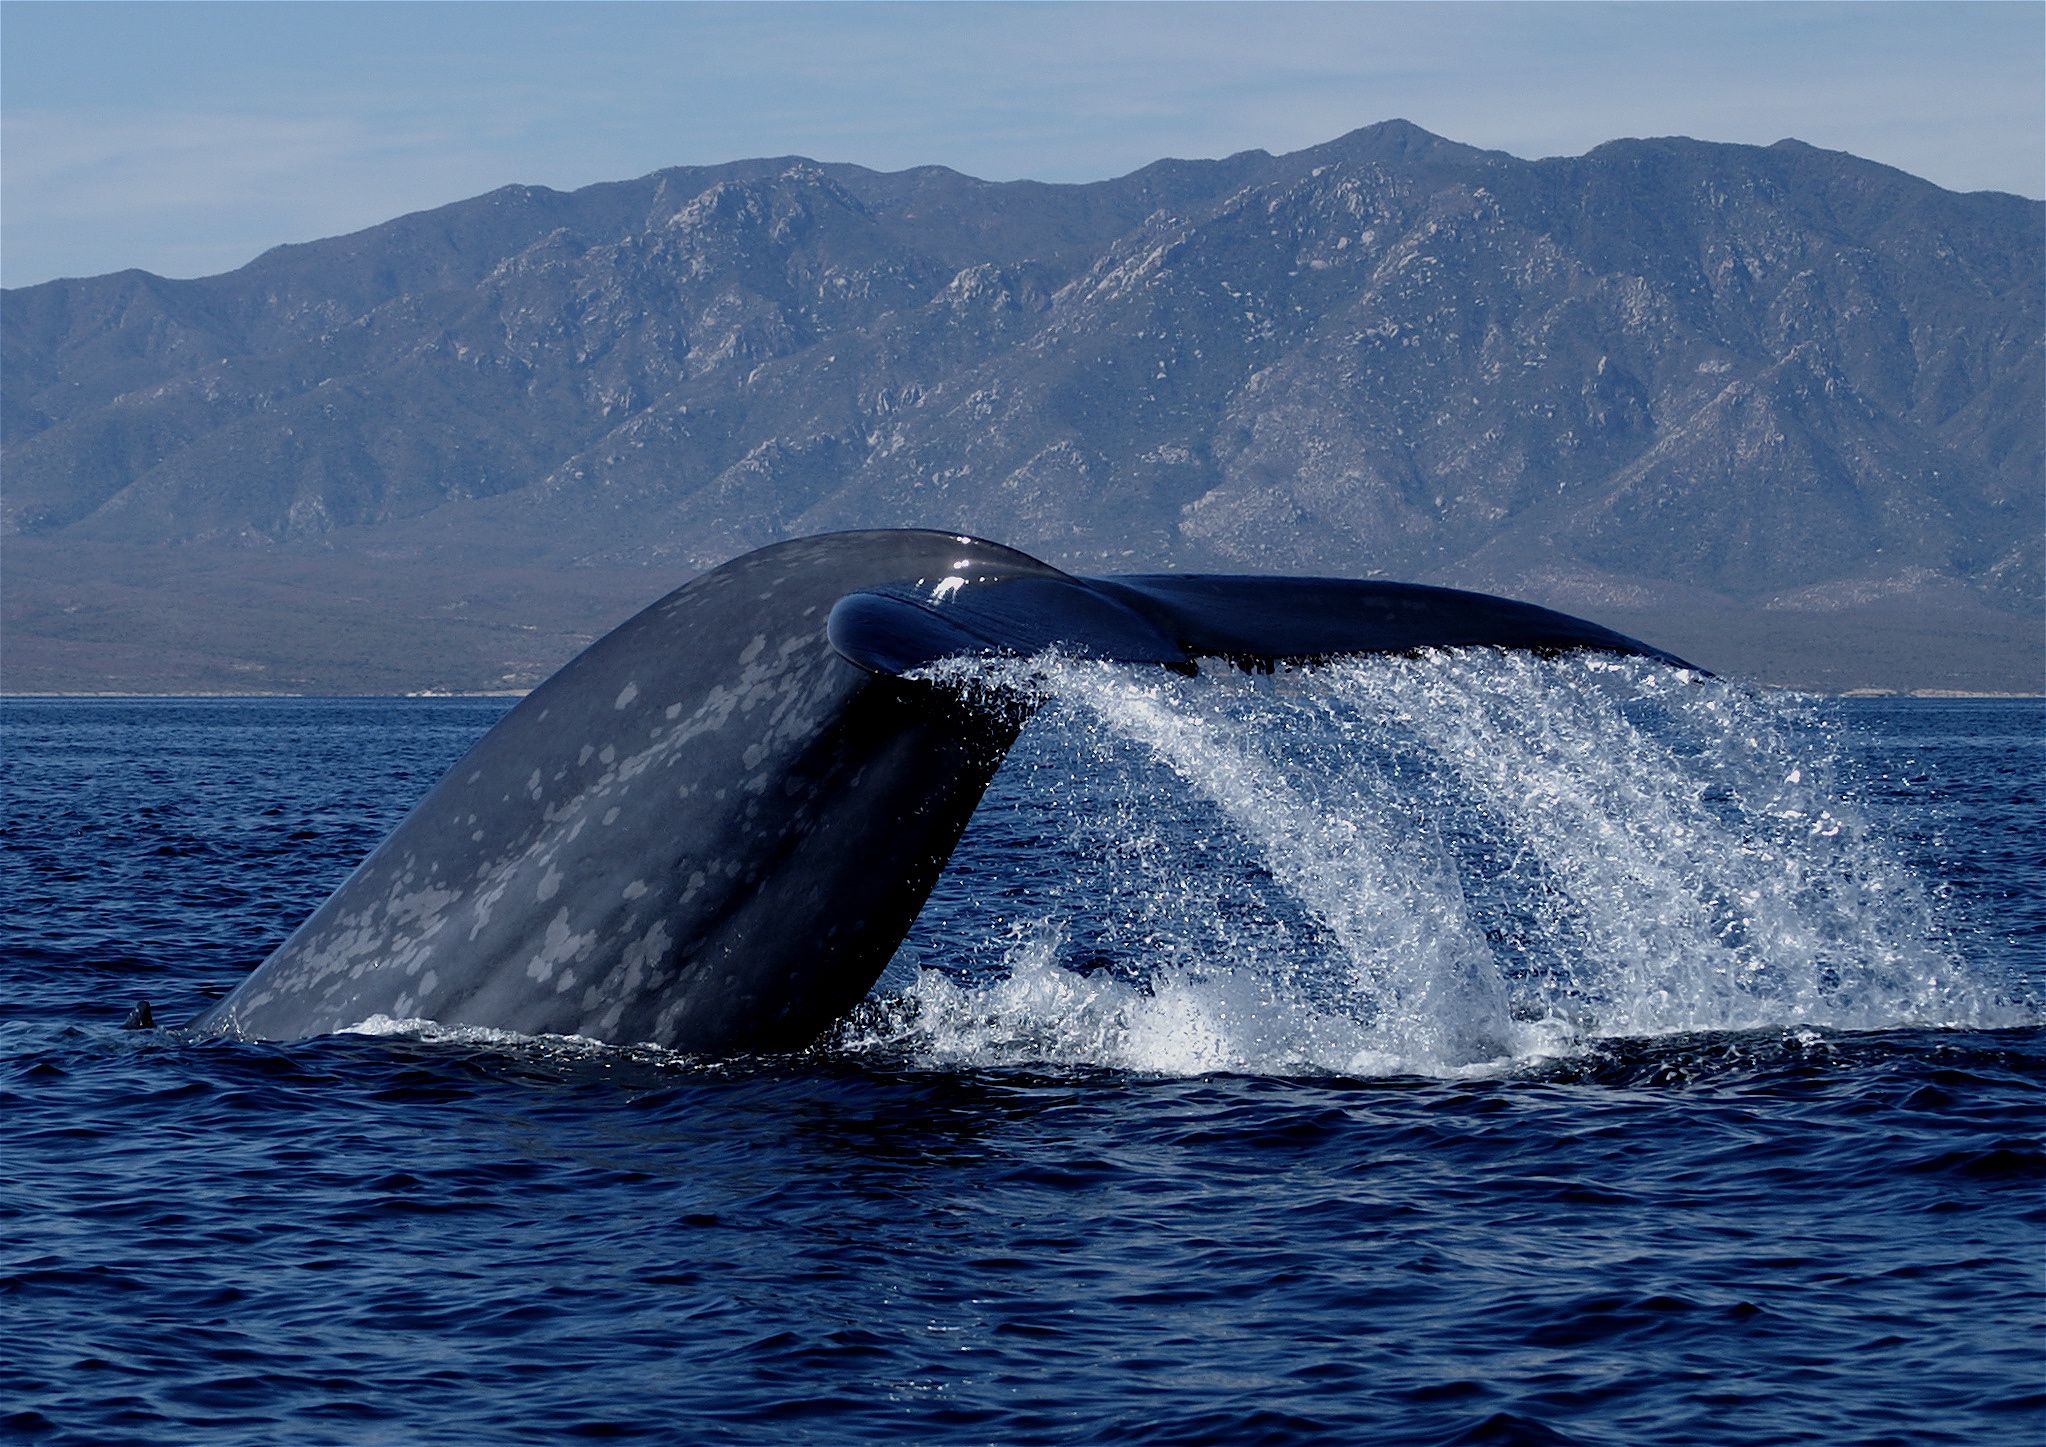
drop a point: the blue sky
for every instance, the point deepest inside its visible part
(186, 138)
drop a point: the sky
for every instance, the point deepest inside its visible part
(185, 139)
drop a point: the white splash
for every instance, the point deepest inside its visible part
(1451, 864)
(518, 1042)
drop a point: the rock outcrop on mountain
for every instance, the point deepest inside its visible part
(1777, 387)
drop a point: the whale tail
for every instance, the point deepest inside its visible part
(1175, 619)
(711, 830)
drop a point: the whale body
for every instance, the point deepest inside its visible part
(711, 830)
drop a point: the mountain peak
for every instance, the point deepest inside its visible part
(1395, 139)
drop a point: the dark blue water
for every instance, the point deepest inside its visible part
(1418, 1061)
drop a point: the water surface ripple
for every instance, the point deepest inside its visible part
(1491, 1053)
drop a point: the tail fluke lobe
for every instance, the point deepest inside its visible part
(1173, 619)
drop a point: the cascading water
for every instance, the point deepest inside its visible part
(1446, 864)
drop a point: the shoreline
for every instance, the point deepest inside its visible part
(8, 696)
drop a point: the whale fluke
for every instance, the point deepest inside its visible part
(1175, 619)
(711, 829)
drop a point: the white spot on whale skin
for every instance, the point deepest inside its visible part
(561, 946)
(635, 889)
(611, 816)
(584, 757)
(608, 756)
(753, 649)
(626, 695)
(550, 884)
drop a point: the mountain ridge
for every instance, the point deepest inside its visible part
(1778, 377)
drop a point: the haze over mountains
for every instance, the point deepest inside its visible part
(1777, 408)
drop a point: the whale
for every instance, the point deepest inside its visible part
(711, 830)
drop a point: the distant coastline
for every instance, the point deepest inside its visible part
(425, 694)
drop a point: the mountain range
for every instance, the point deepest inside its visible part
(1780, 409)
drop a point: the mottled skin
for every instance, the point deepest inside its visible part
(711, 830)
(697, 833)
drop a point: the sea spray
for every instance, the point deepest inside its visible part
(1445, 864)
(1702, 866)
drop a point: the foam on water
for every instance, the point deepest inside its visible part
(1452, 864)
(387, 1027)
(558, 1048)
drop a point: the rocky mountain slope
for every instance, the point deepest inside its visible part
(1667, 381)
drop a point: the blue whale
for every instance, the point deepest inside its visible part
(711, 830)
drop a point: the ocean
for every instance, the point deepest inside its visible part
(1465, 1049)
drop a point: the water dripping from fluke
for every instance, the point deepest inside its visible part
(1461, 863)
